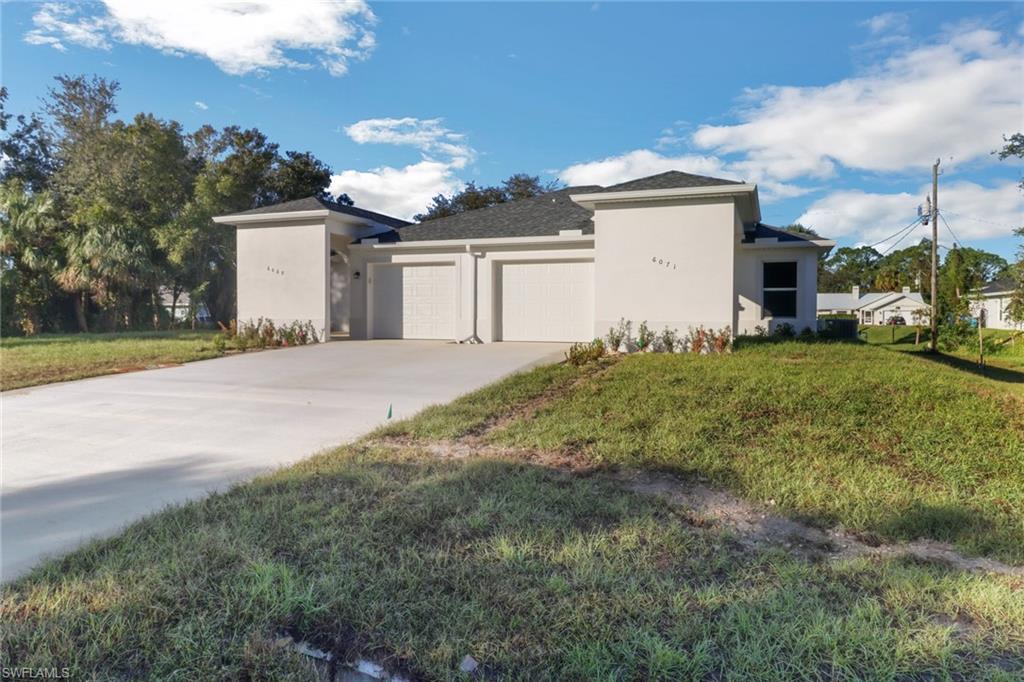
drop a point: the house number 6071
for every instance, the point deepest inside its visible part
(663, 262)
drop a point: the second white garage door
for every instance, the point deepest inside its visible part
(546, 301)
(414, 301)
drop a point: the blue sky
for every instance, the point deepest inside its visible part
(835, 110)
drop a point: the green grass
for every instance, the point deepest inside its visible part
(886, 443)
(542, 574)
(1009, 351)
(536, 573)
(43, 359)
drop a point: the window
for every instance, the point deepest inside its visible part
(779, 298)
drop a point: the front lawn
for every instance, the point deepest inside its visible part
(43, 359)
(501, 527)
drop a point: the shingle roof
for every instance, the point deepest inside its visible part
(317, 204)
(762, 231)
(999, 286)
(541, 216)
(667, 180)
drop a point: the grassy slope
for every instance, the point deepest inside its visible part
(47, 358)
(901, 446)
(540, 574)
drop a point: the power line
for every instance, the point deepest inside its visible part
(956, 240)
(980, 220)
(897, 242)
(898, 232)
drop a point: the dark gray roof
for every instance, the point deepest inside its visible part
(317, 204)
(668, 180)
(999, 286)
(541, 216)
(762, 231)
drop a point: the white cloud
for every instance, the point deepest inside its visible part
(427, 135)
(239, 37)
(952, 100)
(202, 106)
(972, 210)
(637, 164)
(640, 163)
(55, 22)
(406, 191)
(401, 192)
(887, 22)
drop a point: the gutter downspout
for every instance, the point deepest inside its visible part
(473, 338)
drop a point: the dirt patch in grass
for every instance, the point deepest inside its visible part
(757, 526)
(754, 526)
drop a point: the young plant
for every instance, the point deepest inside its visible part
(668, 340)
(619, 334)
(644, 337)
(722, 341)
(584, 353)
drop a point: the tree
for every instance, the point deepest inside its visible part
(26, 151)
(797, 228)
(300, 174)
(848, 267)
(1014, 147)
(27, 239)
(471, 197)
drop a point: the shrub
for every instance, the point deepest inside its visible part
(619, 334)
(583, 353)
(220, 342)
(955, 336)
(668, 340)
(785, 330)
(807, 334)
(265, 334)
(644, 337)
(721, 342)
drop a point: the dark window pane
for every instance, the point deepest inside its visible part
(780, 303)
(779, 275)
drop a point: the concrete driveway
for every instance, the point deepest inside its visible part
(84, 458)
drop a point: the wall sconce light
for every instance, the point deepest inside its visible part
(355, 275)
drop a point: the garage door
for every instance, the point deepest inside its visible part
(414, 301)
(547, 301)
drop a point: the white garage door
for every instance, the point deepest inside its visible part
(414, 301)
(547, 301)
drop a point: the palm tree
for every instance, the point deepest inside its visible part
(100, 260)
(27, 236)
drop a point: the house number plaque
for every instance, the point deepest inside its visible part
(663, 263)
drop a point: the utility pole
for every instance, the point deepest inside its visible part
(935, 256)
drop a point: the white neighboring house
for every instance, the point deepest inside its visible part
(875, 308)
(674, 249)
(994, 300)
(179, 309)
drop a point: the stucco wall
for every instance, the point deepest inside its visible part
(669, 264)
(283, 273)
(750, 261)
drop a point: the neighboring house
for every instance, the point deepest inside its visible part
(994, 300)
(875, 308)
(674, 249)
(180, 309)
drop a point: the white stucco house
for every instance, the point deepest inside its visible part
(992, 306)
(674, 249)
(876, 308)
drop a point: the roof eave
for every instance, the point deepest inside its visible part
(486, 241)
(243, 219)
